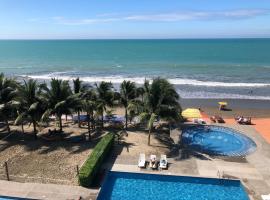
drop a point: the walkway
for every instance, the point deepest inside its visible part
(45, 191)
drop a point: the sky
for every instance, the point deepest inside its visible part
(134, 19)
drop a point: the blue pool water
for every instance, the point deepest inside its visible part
(215, 140)
(135, 186)
(13, 198)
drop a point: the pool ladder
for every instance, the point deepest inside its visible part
(220, 175)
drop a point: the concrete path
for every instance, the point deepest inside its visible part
(45, 191)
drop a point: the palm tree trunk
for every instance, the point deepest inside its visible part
(170, 129)
(35, 129)
(102, 120)
(93, 121)
(89, 128)
(22, 128)
(149, 136)
(60, 123)
(8, 127)
(126, 115)
(79, 119)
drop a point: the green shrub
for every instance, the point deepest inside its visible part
(91, 166)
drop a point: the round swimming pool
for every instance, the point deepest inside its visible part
(215, 140)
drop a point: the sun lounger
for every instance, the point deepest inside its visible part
(153, 161)
(163, 162)
(266, 197)
(217, 119)
(243, 120)
(141, 162)
(199, 121)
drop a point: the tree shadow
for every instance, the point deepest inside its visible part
(185, 154)
(43, 146)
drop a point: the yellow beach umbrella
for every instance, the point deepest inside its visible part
(223, 103)
(191, 113)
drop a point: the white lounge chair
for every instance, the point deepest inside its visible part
(141, 162)
(163, 164)
(266, 197)
(199, 121)
(153, 161)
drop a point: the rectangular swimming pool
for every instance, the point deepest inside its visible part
(137, 186)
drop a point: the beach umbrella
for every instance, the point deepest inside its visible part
(191, 113)
(223, 103)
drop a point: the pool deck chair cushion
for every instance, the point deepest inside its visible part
(266, 197)
(141, 162)
(163, 162)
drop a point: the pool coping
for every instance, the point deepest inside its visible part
(232, 129)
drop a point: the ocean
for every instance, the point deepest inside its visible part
(199, 68)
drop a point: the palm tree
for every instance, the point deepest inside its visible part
(105, 97)
(8, 92)
(78, 88)
(59, 100)
(89, 103)
(135, 107)
(161, 102)
(140, 92)
(128, 93)
(30, 104)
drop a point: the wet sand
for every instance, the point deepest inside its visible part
(245, 107)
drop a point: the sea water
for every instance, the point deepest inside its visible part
(199, 68)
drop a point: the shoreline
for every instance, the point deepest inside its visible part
(246, 107)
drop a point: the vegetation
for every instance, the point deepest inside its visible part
(79, 88)
(105, 97)
(128, 94)
(94, 161)
(160, 102)
(8, 92)
(34, 103)
(30, 104)
(59, 100)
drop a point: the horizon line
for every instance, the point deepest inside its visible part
(197, 38)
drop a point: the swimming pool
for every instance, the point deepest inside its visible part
(12, 198)
(216, 140)
(138, 186)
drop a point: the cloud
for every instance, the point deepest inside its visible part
(64, 21)
(167, 17)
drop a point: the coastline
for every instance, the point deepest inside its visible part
(246, 107)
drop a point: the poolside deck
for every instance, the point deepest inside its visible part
(253, 170)
(262, 125)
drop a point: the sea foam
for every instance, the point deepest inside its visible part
(140, 80)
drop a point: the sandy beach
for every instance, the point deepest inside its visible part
(245, 107)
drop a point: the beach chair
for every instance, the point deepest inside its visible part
(141, 162)
(153, 162)
(163, 163)
(213, 119)
(243, 120)
(217, 119)
(266, 197)
(246, 121)
(199, 121)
